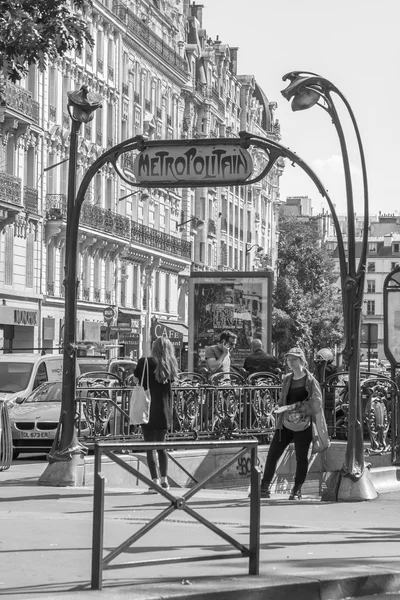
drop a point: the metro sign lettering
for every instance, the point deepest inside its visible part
(196, 164)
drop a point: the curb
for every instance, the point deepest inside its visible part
(244, 588)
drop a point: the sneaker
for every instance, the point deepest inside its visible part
(165, 485)
(151, 489)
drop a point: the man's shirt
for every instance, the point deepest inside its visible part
(260, 361)
(216, 352)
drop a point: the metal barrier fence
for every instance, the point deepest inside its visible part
(110, 449)
(5, 438)
(380, 408)
(219, 408)
(227, 408)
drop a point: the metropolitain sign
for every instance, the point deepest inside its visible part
(205, 164)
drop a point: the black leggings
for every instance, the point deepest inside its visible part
(280, 441)
(156, 435)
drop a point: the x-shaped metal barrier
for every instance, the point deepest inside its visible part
(109, 449)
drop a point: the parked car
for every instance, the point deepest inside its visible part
(34, 420)
(20, 374)
(374, 368)
(88, 364)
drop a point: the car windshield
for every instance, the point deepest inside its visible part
(14, 376)
(47, 392)
(92, 366)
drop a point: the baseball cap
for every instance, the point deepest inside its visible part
(296, 352)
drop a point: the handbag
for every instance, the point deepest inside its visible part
(139, 409)
(320, 436)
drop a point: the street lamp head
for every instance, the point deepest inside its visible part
(82, 104)
(305, 89)
(196, 223)
(259, 248)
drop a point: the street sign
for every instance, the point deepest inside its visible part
(108, 313)
(225, 161)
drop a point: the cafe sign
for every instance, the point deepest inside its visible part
(206, 164)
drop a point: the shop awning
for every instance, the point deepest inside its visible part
(180, 328)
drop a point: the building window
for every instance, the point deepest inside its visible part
(393, 265)
(371, 267)
(370, 307)
(372, 247)
(396, 248)
(371, 286)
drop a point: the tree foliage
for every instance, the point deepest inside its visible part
(307, 303)
(39, 31)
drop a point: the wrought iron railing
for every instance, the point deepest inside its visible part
(212, 229)
(56, 207)
(10, 188)
(15, 97)
(31, 202)
(155, 43)
(113, 223)
(160, 240)
(105, 220)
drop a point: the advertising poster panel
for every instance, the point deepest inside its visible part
(239, 302)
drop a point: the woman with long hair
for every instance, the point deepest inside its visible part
(162, 370)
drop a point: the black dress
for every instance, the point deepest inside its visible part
(161, 402)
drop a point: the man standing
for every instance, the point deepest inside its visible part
(259, 361)
(218, 357)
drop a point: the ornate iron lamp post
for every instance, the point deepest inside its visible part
(66, 448)
(306, 90)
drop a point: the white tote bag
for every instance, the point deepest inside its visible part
(139, 409)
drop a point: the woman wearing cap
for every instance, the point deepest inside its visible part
(301, 397)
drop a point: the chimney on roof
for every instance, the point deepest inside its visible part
(387, 240)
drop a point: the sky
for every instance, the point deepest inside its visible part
(355, 44)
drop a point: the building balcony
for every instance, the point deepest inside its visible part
(10, 189)
(147, 236)
(16, 103)
(212, 228)
(105, 220)
(31, 201)
(154, 43)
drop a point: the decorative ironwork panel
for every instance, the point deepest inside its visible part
(17, 98)
(125, 89)
(31, 200)
(50, 288)
(158, 239)
(100, 65)
(52, 113)
(56, 207)
(10, 189)
(153, 41)
(35, 112)
(111, 73)
(105, 220)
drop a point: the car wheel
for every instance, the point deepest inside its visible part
(15, 454)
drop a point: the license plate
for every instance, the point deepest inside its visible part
(37, 434)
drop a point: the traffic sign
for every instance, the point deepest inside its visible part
(109, 313)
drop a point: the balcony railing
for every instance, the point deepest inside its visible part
(118, 225)
(56, 207)
(162, 241)
(212, 229)
(10, 188)
(31, 200)
(155, 43)
(15, 97)
(105, 220)
(52, 113)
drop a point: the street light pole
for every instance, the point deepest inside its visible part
(306, 90)
(66, 449)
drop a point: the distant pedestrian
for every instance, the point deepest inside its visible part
(259, 361)
(218, 357)
(300, 399)
(163, 370)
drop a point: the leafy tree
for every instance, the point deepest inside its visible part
(307, 304)
(38, 31)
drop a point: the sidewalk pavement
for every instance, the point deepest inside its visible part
(309, 549)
